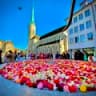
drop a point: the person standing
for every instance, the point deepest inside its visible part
(78, 55)
(0, 56)
(85, 55)
(57, 56)
(90, 58)
(67, 55)
(63, 55)
(10, 56)
(15, 55)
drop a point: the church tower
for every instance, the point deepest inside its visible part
(32, 26)
(33, 38)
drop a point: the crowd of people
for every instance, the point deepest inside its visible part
(11, 56)
(20, 56)
(78, 55)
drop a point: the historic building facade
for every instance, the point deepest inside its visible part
(52, 42)
(82, 32)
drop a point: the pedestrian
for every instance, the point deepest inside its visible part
(10, 56)
(78, 55)
(5, 58)
(63, 55)
(57, 56)
(90, 58)
(15, 55)
(67, 55)
(85, 55)
(0, 56)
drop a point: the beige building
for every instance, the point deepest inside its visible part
(6, 46)
(53, 42)
(9, 46)
(1, 44)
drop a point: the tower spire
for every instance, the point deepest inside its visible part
(32, 25)
(33, 15)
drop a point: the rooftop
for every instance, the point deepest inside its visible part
(56, 31)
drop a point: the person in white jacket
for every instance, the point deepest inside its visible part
(92, 58)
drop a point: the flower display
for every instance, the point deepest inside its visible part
(63, 75)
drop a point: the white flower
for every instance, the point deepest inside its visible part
(62, 75)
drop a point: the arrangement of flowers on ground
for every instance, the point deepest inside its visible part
(62, 75)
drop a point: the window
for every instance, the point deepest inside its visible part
(88, 24)
(80, 16)
(82, 38)
(87, 13)
(81, 27)
(71, 40)
(76, 29)
(70, 31)
(76, 39)
(75, 19)
(95, 7)
(90, 36)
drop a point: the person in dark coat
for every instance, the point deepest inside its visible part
(63, 55)
(78, 55)
(15, 55)
(57, 56)
(67, 55)
(50, 55)
(0, 56)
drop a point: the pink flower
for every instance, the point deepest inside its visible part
(66, 88)
(40, 85)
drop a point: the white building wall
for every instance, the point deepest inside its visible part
(94, 5)
(87, 43)
(94, 8)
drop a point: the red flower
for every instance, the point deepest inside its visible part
(60, 87)
(45, 82)
(20, 73)
(29, 83)
(56, 81)
(1, 71)
(73, 88)
(23, 80)
(50, 86)
(91, 89)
